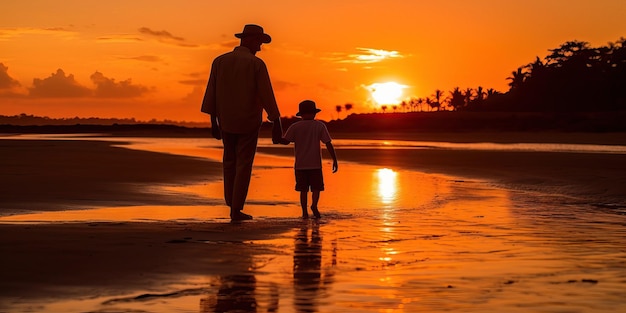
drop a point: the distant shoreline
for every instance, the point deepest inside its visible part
(393, 125)
(159, 130)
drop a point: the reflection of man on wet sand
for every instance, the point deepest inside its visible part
(307, 269)
(235, 294)
(241, 293)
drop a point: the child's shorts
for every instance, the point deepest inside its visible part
(312, 179)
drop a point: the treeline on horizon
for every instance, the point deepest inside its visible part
(31, 120)
(574, 77)
(575, 87)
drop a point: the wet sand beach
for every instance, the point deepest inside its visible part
(403, 230)
(592, 176)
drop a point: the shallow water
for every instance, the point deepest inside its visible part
(390, 240)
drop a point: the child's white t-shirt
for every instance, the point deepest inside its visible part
(306, 136)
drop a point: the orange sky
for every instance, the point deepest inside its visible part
(150, 59)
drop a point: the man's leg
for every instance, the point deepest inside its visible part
(245, 151)
(229, 163)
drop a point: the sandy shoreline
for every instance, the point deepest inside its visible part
(102, 257)
(67, 260)
(60, 174)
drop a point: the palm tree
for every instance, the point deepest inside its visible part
(457, 99)
(384, 108)
(468, 96)
(480, 94)
(437, 103)
(566, 51)
(348, 107)
(492, 92)
(429, 102)
(420, 102)
(536, 68)
(478, 100)
(517, 78)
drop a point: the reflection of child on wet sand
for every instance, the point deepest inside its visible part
(306, 136)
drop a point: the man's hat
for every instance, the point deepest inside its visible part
(307, 106)
(254, 30)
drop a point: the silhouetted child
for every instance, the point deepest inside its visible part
(306, 135)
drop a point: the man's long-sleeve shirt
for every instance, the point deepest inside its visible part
(238, 91)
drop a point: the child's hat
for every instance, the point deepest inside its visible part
(307, 106)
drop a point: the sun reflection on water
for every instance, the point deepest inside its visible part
(387, 182)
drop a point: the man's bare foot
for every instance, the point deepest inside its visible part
(239, 216)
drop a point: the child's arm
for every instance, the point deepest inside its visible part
(331, 150)
(277, 133)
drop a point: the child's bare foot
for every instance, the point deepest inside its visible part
(316, 213)
(305, 216)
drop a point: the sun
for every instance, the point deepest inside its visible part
(386, 93)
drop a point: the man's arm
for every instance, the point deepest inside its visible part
(208, 102)
(277, 132)
(216, 132)
(331, 150)
(209, 106)
(266, 93)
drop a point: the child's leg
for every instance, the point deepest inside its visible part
(303, 203)
(302, 185)
(315, 197)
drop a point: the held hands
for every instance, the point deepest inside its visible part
(216, 132)
(277, 132)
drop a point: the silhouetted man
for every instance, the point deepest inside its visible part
(238, 91)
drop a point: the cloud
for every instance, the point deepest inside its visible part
(118, 38)
(160, 33)
(108, 88)
(195, 96)
(196, 79)
(231, 43)
(328, 87)
(6, 81)
(144, 58)
(9, 87)
(367, 56)
(58, 86)
(194, 82)
(166, 37)
(283, 85)
(10, 33)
